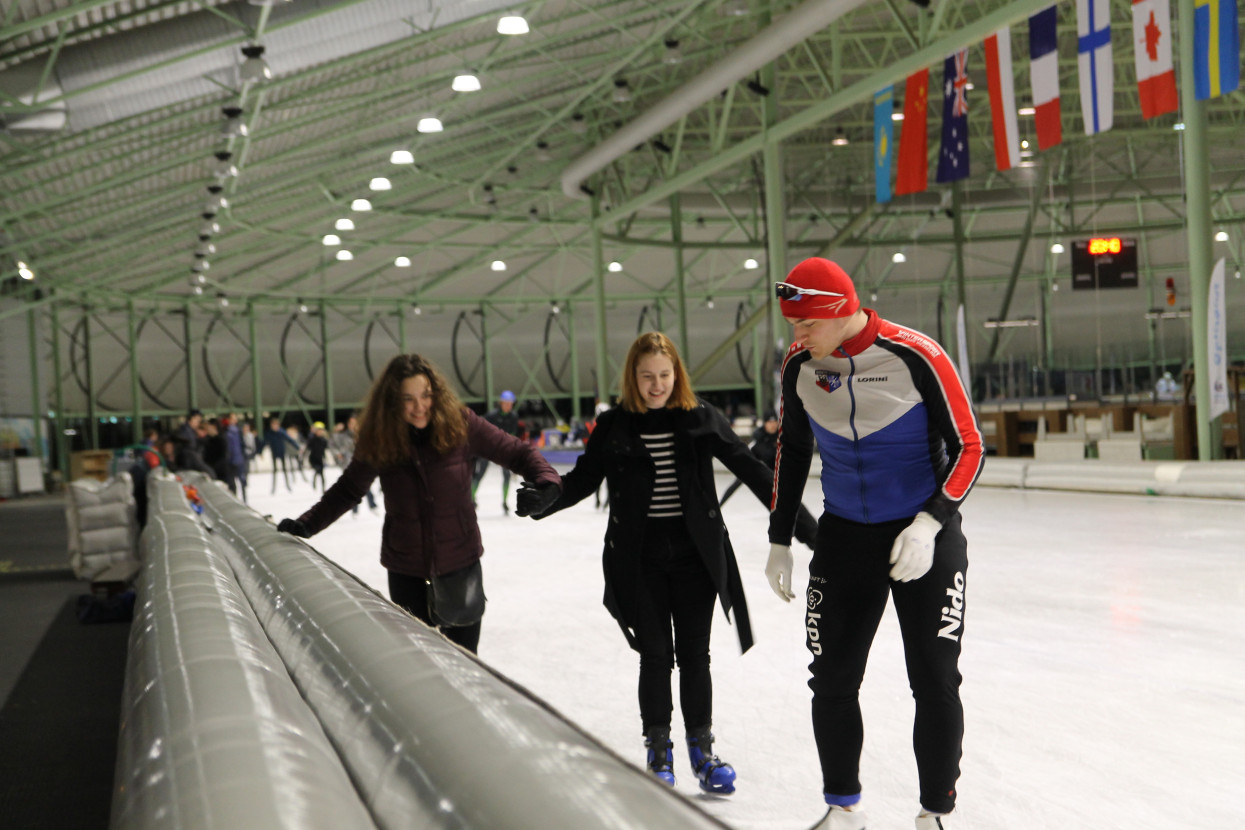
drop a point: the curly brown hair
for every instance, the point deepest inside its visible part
(654, 342)
(384, 435)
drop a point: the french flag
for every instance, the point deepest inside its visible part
(1044, 76)
(1152, 50)
(1002, 99)
(1093, 57)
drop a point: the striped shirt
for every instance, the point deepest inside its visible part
(665, 501)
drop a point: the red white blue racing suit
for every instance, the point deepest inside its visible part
(896, 433)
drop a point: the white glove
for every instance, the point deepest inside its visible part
(913, 551)
(778, 571)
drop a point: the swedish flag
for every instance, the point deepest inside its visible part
(1216, 48)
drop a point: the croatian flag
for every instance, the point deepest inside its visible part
(1001, 84)
(1152, 50)
(1093, 56)
(953, 157)
(1216, 48)
(1044, 76)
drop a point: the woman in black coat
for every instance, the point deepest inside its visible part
(667, 553)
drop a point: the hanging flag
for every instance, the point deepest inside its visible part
(883, 139)
(1044, 77)
(1217, 343)
(1152, 51)
(953, 157)
(913, 173)
(1000, 82)
(1216, 48)
(1093, 56)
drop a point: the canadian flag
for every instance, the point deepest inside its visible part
(1001, 85)
(1152, 50)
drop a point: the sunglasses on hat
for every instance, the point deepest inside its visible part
(787, 291)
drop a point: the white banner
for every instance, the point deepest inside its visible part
(961, 337)
(1217, 343)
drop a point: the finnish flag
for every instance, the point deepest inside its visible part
(1093, 57)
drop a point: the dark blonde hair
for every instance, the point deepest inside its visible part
(654, 342)
(384, 436)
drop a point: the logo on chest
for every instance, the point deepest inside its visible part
(828, 381)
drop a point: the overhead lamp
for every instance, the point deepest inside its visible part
(198, 279)
(207, 229)
(205, 249)
(429, 124)
(542, 151)
(708, 302)
(361, 205)
(401, 157)
(222, 300)
(1057, 248)
(197, 290)
(1178, 126)
(216, 202)
(465, 83)
(840, 138)
(344, 224)
(1027, 111)
(23, 270)
(579, 125)
(614, 267)
(331, 239)
(533, 215)
(489, 196)
(622, 91)
(224, 168)
(672, 54)
(380, 183)
(402, 262)
(498, 265)
(200, 265)
(234, 126)
(1018, 323)
(512, 24)
(302, 307)
(1054, 286)
(254, 68)
(344, 256)
(555, 308)
(898, 257)
(1221, 236)
(896, 116)
(416, 310)
(751, 264)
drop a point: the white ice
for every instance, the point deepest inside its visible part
(1104, 659)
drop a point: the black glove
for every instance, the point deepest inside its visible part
(294, 527)
(535, 499)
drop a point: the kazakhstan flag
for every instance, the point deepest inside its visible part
(883, 142)
(1216, 48)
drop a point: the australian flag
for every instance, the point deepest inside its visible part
(953, 157)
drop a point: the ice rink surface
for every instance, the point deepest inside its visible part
(1104, 659)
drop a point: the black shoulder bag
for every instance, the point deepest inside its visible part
(457, 598)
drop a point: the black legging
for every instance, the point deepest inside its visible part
(411, 593)
(676, 588)
(849, 579)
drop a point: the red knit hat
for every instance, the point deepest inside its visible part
(818, 274)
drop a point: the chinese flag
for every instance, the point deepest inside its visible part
(913, 173)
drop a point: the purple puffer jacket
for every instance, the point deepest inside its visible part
(430, 521)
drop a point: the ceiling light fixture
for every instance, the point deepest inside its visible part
(622, 91)
(344, 256)
(579, 126)
(222, 300)
(751, 264)
(207, 229)
(23, 270)
(344, 224)
(401, 157)
(205, 249)
(672, 55)
(1221, 236)
(542, 151)
(416, 310)
(331, 239)
(254, 68)
(840, 138)
(512, 24)
(898, 257)
(380, 183)
(465, 82)
(614, 267)
(498, 265)
(1056, 248)
(361, 205)
(224, 168)
(429, 124)
(234, 126)
(402, 262)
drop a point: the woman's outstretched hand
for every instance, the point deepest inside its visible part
(294, 527)
(535, 499)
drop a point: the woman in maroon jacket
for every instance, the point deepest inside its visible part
(420, 440)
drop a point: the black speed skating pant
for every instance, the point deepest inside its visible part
(676, 590)
(848, 585)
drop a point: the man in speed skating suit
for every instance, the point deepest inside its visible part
(900, 449)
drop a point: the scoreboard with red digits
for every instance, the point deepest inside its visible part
(1104, 262)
